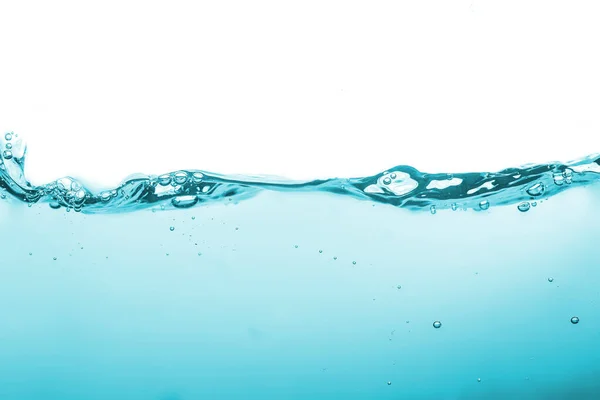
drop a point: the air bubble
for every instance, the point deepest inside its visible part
(536, 190)
(7, 154)
(387, 181)
(320, 251)
(393, 175)
(334, 257)
(524, 207)
(181, 177)
(575, 320)
(105, 196)
(54, 205)
(54, 258)
(389, 383)
(478, 379)
(454, 207)
(353, 262)
(432, 210)
(164, 180)
(399, 287)
(558, 179)
(197, 177)
(437, 324)
(550, 279)
(184, 201)
(534, 204)
(8, 146)
(8, 136)
(205, 189)
(484, 205)
(172, 228)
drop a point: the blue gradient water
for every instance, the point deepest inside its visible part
(267, 289)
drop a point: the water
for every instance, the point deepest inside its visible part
(269, 289)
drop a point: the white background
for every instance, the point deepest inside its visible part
(298, 89)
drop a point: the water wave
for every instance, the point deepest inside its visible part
(401, 186)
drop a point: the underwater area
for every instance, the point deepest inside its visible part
(403, 285)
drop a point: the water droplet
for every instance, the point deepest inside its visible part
(432, 210)
(484, 204)
(536, 190)
(54, 205)
(7, 154)
(393, 175)
(454, 206)
(184, 201)
(389, 383)
(524, 206)
(164, 180)
(181, 177)
(387, 181)
(575, 320)
(197, 177)
(172, 228)
(8, 146)
(8, 136)
(437, 325)
(550, 279)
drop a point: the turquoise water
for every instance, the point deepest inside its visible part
(194, 285)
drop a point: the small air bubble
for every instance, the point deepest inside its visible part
(205, 189)
(354, 262)
(550, 279)
(7, 154)
(197, 177)
(193, 218)
(54, 205)
(181, 177)
(8, 146)
(478, 379)
(162, 206)
(432, 210)
(54, 258)
(8, 136)
(30, 254)
(575, 320)
(558, 179)
(389, 383)
(536, 190)
(105, 196)
(437, 324)
(399, 287)
(172, 228)
(164, 180)
(387, 181)
(199, 254)
(184, 201)
(335, 258)
(296, 246)
(534, 204)
(393, 175)
(454, 207)
(524, 207)
(321, 251)
(484, 205)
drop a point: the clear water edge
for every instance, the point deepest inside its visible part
(301, 291)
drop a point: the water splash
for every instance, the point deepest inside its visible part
(401, 186)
